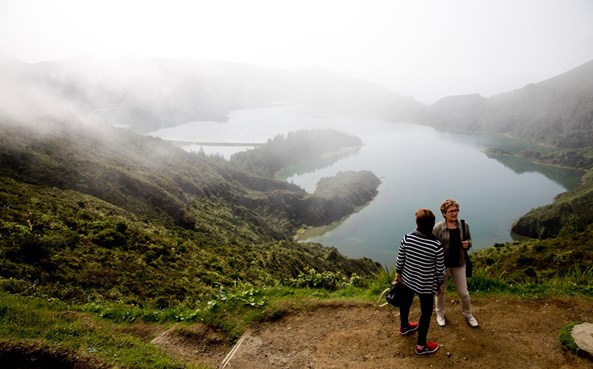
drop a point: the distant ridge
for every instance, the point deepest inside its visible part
(556, 112)
(147, 94)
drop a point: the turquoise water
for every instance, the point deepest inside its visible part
(418, 166)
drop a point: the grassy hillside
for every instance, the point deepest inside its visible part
(564, 261)
(569, 213)
(107, 237)
(109, 215)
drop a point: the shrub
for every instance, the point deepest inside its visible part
(311, 278)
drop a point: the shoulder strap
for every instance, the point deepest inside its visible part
(463, 230)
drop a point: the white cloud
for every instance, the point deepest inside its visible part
(423, 48)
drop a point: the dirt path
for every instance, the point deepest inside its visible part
(514, 333)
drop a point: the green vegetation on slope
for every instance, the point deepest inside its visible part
(103, 229)
(72, 246)
(104, 334)
(569, 214)
(131, 229)
(106, 215)
(565, 261)
(295, 148)
(37, 333)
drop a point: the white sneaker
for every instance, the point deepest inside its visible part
(471, 320)
(441, 320)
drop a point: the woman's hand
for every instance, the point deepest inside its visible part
(465, 244)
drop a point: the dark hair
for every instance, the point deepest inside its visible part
(425, 220)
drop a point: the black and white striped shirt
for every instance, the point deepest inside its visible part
(421, 262)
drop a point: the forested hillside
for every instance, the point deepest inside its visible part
(282, 153)
(99, 212)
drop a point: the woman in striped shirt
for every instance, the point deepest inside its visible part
(420, 267)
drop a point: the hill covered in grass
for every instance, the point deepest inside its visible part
(102, 213)
(112, 243)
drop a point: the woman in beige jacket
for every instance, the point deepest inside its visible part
(454, 240)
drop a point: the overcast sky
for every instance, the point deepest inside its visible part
(426, 49)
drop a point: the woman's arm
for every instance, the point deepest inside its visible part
(401, 257)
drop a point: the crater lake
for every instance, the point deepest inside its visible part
(418, 165)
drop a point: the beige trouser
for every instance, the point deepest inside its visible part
(460, 280)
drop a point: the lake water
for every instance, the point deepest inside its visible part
(418, 166)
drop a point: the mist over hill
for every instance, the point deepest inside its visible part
(147, 94)
(94, 212)
(94, 208)
(557, 112)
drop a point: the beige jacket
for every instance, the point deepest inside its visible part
(441, 231)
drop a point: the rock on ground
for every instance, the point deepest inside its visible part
(583, 338)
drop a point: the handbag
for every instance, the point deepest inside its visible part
(468, 261)
(395, 296)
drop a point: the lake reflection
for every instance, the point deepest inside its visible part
(418, 166)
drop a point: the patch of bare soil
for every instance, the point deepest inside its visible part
(196, 344)
(513, 333)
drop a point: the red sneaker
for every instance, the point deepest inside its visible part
(412, 326)
(429, 348)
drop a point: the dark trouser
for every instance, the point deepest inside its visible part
(426, 305)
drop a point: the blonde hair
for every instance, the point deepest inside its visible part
(447, 203)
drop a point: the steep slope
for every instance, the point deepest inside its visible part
(138, 173)
(556, 112)
(72, 246)
(570, 213)
(143, 174)
(94, 210)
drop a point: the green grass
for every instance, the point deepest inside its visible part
(69, 261)
(566, 338)
(53, 324)
(78, 248)
(100, 329)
